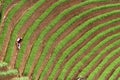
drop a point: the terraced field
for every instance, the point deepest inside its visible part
(61, 40)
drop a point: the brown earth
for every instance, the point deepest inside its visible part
(8, 77)
(3, 69)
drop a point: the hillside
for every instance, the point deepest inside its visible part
(60, 40)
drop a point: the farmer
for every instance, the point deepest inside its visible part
(19, 40)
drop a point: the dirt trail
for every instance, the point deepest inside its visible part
(46, 22)
(34, 36)
(56, 42)
(25, 8)
(111, 73)
(9, 77)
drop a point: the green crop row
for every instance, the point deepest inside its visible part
(82, 50)
(55, 21)
(17, 28)
(101, 53)
(5, 3)
(104, 62)
(69, 37)
(69, 50)
(50, 41)
(116, 72)
(9, 73)
(109, 68)
(8, 20)
(3, 64)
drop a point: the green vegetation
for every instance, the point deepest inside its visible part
(92, 31)
(72, 47)
(116, 72)
(9, 73)
(5, 3)
(69, 50)
(40, 41)
(44, 15)
(110, 67)
(48, 28)
(101, 54)
(104, 35)
(113, 53)
(3, 64)
(83, 49)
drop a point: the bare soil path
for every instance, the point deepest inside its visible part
(118, 76)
